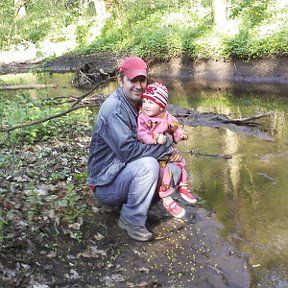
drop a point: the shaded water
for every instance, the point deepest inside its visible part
(249, 191)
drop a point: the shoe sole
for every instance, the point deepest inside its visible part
(122, 226)
(191, 201)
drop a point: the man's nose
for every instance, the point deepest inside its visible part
(139, 84)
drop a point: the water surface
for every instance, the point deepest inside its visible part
(248, 192)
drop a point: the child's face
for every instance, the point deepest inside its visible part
(150, 108)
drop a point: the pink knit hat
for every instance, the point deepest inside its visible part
(158, 93)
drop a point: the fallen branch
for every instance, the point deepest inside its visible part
(225, 156)
(72, 108)
(244, 126)
(27, 86)
(88, 93)
(9, 129)
(247, 121)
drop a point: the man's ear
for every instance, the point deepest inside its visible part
(120, 81)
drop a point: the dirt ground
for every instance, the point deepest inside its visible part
(185, 253)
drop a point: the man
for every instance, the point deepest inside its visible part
(123, 171)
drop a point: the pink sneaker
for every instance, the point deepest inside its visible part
(163, 192)
(174, 209)
(186, 194)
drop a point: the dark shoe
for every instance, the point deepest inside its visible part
(139, 233)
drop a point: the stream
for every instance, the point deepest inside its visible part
(248, 192)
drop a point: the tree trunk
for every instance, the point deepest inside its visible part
(100, 9)
(20, 9)
(219, 13)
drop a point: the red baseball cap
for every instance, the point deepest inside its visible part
(133, 67)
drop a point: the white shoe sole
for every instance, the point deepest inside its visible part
(191, 201)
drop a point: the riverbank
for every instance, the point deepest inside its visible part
(272, 70)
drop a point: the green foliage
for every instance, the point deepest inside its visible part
(71, 202)
(19, 108)
(238, 45)
(251, 12)
(158, 29)
(168, 30)
(43, 20)
(72, 206)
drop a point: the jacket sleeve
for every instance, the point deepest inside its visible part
(125, 144)
(144, 131)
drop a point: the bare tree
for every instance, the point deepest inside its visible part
(20, 9)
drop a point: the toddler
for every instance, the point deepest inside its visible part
(155, 124)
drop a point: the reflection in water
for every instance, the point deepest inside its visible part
(249, 191)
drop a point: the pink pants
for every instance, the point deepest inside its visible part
(166, 178)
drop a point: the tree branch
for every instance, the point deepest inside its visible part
(45, 119)
(27, 86)
(248, 120)
(225, 156)
(72, 108)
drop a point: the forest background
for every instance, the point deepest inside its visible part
(154, 29)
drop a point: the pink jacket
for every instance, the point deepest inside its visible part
(149, 127)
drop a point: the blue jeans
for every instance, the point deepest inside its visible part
(134, 188)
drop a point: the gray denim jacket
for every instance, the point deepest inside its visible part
(114, 141)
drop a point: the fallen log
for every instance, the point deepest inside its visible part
(27, 86)
(246, 126)
(89, 75)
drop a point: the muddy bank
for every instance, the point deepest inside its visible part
(185, 253)
(273, 70)
(268, 70)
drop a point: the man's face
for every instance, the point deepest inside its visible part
(133, 88)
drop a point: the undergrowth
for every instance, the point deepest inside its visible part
(151, 29)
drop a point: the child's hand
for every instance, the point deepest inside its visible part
(161, 139)
(184, 136)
